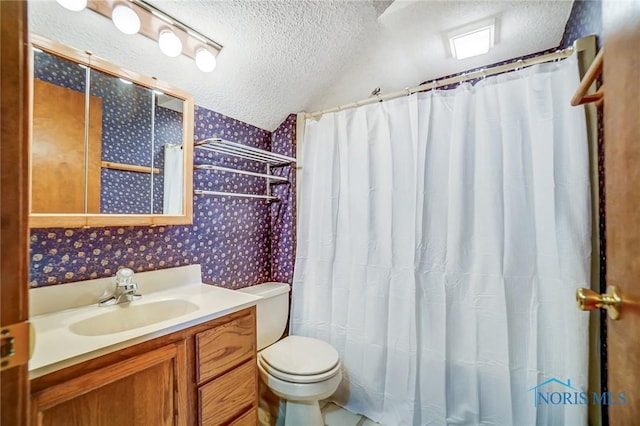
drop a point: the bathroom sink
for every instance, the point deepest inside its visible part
(130, 316)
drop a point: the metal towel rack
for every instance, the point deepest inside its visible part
(249, 153)
(224, 147)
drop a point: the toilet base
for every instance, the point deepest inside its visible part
(301, 400)
(303, 413)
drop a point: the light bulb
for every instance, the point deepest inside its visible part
(205, 60)
(125, 19)
(75, 5)
(169, 43)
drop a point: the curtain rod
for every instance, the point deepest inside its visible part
(578, 45)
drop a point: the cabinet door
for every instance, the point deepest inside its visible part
(149, 389)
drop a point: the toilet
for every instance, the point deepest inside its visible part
(300, 370)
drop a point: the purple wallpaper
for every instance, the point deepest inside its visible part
(127, 137)
(585, 19)
(230, 237)
(283, 141)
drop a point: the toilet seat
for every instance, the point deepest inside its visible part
(302, 379)
(300, 359)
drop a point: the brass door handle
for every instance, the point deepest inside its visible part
(589, 300)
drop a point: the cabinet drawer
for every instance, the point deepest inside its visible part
(250, 418)
(228, 396)
(225, 346)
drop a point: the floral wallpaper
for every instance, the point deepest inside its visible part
(283, 220)
(127, 137)
(58, 71)
(585, 19)
(230, 237)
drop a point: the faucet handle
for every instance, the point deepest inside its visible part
(124, 277)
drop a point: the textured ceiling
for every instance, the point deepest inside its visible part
(289, 56)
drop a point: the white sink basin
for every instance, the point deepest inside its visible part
(70, 327)
(129, 316)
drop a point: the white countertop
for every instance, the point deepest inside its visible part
(57, 346)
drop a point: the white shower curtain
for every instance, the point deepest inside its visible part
(441, 239)
(172, 197)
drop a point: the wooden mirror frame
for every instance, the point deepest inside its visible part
(71, 220)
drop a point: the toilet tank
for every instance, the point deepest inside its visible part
(272, 311)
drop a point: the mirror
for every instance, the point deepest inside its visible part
(109, 147)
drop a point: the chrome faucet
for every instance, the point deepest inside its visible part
(126, 289)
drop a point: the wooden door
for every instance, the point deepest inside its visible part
(58, 151)
(622, 173)
(14, 187)
(140, 391)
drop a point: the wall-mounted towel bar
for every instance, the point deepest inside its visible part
(270, 159)
(129, 167)
(241, 172)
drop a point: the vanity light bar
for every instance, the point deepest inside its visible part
(154, 21)
(177, 24)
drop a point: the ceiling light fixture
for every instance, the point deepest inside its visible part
(74, 5)
(472, 40)
(169, 43)
(205, 60)
(125, 19)
(173, 37)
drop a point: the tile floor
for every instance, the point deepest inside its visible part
(335, 415)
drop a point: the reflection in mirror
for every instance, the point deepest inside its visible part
(59, 182)
(109, 146)
(127, 143)
(168, 184)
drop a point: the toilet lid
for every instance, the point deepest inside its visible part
(293, 378)
(301, 356)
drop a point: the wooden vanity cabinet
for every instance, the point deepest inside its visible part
(203, 375)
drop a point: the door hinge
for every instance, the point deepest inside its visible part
(14, 345)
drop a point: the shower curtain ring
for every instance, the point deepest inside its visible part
(464, 78)
(558, 52)
(520, 64)
(376, 92)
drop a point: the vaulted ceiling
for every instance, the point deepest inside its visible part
(289, 56)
